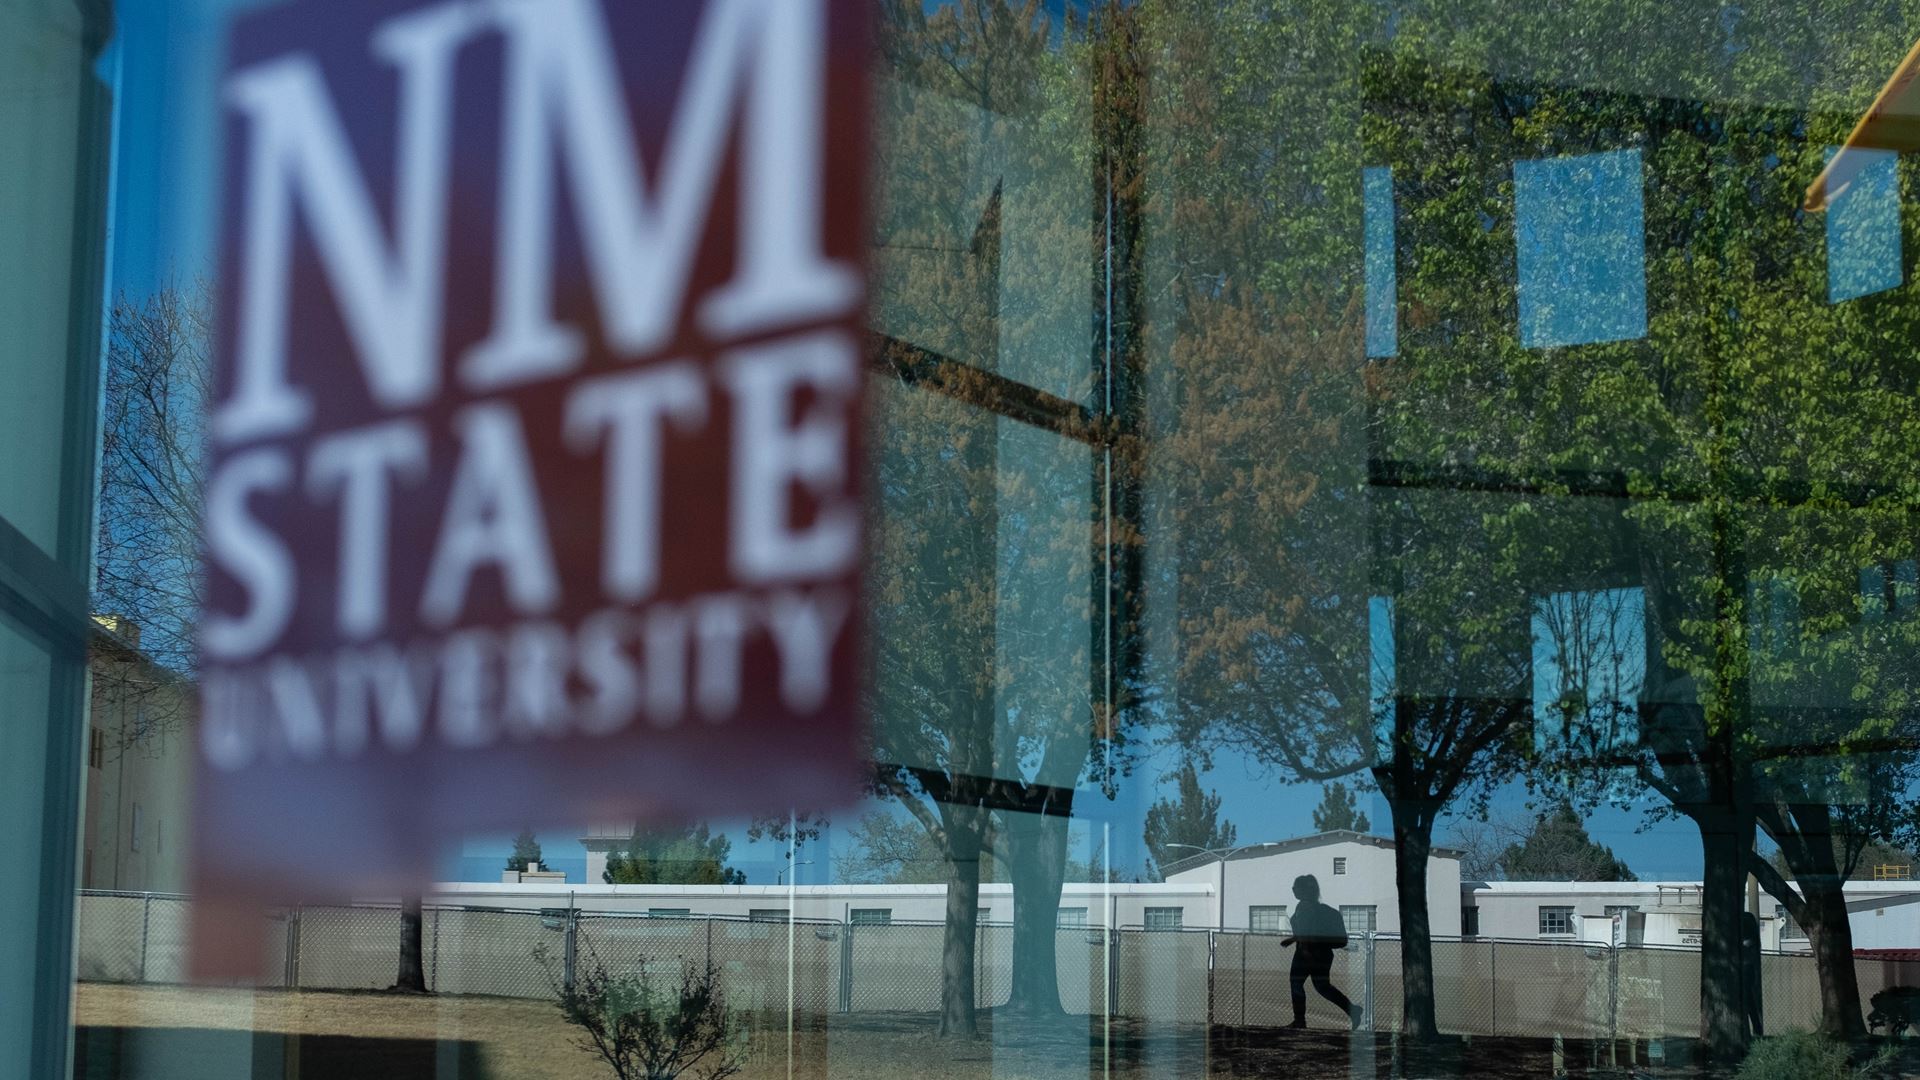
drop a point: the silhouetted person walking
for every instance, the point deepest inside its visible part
(1317, 931)
(1750, 971)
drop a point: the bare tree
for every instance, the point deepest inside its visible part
(152, 429)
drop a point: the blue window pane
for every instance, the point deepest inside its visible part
(1383, 325)
(1580, 237)
(1863, 230)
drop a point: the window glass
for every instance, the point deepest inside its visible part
(1269, 917)
(1789, 930)
(1360, 918)
(1466, 431)
(1556, 920)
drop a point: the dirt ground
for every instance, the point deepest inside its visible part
(193, 1032)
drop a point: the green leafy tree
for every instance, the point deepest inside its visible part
(1189, 820)
(986, 730)
(526, 852)
(1339, 811)
(692, 855)
(1559, 849)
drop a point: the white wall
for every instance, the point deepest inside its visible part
(1257, 878)
(1128, 903)
(1511, 909)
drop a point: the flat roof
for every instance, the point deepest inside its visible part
(1071, 888)
(1298, 843)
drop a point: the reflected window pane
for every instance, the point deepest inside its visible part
(1580, 242)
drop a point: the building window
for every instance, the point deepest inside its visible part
(871, 916)
(1071, 916)
(669, 912)
(1470, 920)
(96, 748)
(1360, 918)
(1556, 920)
(1789, 930)
(1340, 864)
(139, 824)
(1269, 917)
(986, 915)
(767, 914)
(1165, 918)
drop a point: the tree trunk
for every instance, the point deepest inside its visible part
(958, 1015)
(1726, 841)
(1831, 936)
(413, 971)
(1413, 840)
(1036, 857)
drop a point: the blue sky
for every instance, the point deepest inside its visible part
(1260, 808)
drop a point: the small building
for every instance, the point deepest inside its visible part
(1254, 884)
(139, 766)
(1130, 905)
(1885, 914)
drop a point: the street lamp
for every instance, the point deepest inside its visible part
(781, 877)
(1222, 855)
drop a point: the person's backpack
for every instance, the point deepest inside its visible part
(1321, 925)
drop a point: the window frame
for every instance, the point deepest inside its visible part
(1371, 913)
(1550, 913)
(1277, 913)
(1163, 918)
(1790, 929)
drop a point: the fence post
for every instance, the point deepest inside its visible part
(1613, 1002)
(1493, 980)
(1246, 941)
(1113, 971)
(292, 977)
(146, 919)
(1367, 969)
(1213, 945)
(433, 972)
(846, 967)
(570, 949)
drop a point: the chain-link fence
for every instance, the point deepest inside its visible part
(1179, 977)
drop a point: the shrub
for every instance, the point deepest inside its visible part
(1896, 1008)
(1798, 1055)
(647, 1029)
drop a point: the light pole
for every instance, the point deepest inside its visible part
(781, 877)
(1221, 855)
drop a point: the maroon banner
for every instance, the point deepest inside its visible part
(535, 455)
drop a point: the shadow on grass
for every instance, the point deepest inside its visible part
(117, 1053)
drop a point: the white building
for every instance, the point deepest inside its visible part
(1253, 885)
(1170, 906)
(1885, 914)
(1355, 872)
